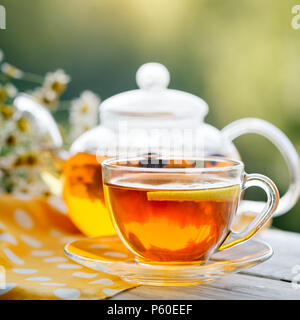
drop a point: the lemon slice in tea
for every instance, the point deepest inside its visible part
(224, 193)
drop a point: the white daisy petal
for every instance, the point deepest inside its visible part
(11, 90)
(84, 113)
(58, 76)
(11, 71)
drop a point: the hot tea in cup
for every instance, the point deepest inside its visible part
(173, 211)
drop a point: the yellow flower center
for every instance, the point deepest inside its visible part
(58, 87)
(11, 140)
(85, 109)
(6, 111)
(22, 124)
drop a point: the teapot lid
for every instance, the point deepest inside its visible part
(153, 104)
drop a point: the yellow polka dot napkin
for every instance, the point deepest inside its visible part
(32, 261)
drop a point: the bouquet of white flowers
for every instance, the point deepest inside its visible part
(20, 165)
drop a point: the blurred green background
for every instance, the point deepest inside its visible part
(241, 56)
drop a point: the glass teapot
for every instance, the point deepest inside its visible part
(156, 120)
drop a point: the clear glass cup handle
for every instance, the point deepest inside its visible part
(288, 151)
(254, 180)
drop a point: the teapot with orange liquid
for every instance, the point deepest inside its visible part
(152, 120)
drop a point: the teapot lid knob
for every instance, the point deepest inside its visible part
(153, 101)
(153, 76)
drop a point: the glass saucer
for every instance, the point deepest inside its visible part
(109, 255)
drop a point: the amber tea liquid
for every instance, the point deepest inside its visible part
(167, 221)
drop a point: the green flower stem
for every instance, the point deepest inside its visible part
(31, 77)
(27, 76)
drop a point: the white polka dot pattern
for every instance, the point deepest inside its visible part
(24, 271)
(23, 219)
(38, 279)
(32, 242)
(85, 275)
(67, 294)
(13, 257)
(32, 259)
(69, 266)
(55, 259)
(8, 238)
(41, 253)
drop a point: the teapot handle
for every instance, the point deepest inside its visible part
(286, 148)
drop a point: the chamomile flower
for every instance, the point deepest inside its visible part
(84, 113)
(11, 90)
(8, 90)
(11, 140)
(56, 81)
(11, 71)
(85, 109)
(28, 189)
(23, 124)
(30, 159)
(20, 142)
(46, 96)
(7, 111)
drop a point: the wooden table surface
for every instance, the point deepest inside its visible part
(276, 278)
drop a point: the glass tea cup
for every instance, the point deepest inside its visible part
(173, 211)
